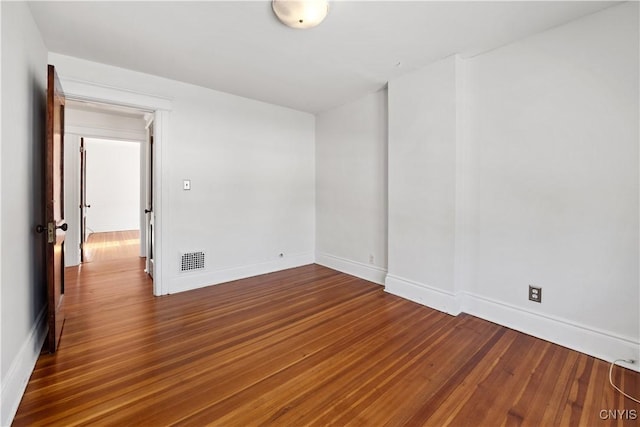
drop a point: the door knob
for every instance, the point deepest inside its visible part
(41, 228)
(50, 229)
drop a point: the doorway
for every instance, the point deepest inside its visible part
(110, 199)
(157, 110)
(107, 150)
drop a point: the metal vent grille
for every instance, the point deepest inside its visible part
(192, 261)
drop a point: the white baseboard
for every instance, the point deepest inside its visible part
(15, 381)
(364, 271)
(441, 300)
(584, 339)
(190, 281)
(597, 343)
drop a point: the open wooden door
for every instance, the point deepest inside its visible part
(55, 226)
(83, 199)
(149, 265)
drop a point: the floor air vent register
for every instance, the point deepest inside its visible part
(192, 261)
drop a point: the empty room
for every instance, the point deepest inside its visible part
(310, 213)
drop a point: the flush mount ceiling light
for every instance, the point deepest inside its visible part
(300, 13)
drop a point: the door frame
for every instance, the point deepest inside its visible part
(147, 201)
(93, 92)
(83, 198)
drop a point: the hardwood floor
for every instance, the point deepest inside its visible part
(306, 346)
(112, 245)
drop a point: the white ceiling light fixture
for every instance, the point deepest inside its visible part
(300, 14)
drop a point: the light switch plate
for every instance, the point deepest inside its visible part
(186, 184)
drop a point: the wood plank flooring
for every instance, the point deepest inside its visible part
(306, 346)
(112, 245)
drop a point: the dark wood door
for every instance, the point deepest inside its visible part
(54, 202)
(83, 198)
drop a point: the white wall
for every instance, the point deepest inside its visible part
(113, 185)
(251, 166)
(516, 167)
(24, 79)
(554, 121)
(422, 182)
(71, 198)
(351, 187)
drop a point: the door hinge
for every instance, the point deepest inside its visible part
(82, 149)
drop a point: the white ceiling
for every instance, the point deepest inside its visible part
(239, 47)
